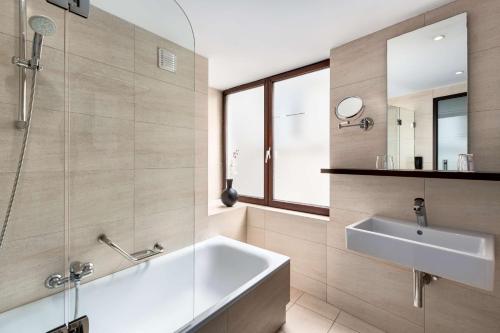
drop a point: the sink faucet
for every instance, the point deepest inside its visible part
(419, 208)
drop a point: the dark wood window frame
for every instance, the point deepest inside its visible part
(267, 84)
(435, 109)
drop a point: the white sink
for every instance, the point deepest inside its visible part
(462, 256)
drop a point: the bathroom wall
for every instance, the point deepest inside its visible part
(118, 147)
(379, 292)
(215, 148)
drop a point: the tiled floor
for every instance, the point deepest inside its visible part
(308, 314)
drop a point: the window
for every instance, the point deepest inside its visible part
(277, 134)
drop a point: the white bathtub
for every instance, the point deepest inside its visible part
(158, 296)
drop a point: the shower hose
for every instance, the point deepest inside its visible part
(21, 160)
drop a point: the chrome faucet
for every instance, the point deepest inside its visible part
(419, 208)
(77, 271)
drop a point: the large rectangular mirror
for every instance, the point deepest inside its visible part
(427, 117)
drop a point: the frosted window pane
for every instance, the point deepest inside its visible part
(245, 135)
(301, 126)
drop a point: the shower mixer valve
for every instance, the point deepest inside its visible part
(78, 271)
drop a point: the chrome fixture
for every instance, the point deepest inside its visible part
(80, 325)
(419, 208)
(135, 257)
(365, 123)
(77, 270)
(420, 279)
(42, 26)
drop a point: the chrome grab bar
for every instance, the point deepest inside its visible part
(135, 257)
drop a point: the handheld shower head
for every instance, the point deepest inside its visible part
(42, 26)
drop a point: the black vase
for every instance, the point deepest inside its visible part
(229, 197)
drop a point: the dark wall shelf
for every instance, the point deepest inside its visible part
(492, 176)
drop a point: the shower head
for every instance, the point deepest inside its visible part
(42, 26)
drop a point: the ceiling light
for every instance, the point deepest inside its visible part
(439, 37)
(459, 72)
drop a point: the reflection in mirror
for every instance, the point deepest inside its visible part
(427, 96)
(349, 108)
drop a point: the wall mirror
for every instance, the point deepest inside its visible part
(349, 108)
(427, 116)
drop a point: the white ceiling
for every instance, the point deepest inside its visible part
(246, 40)
(416, 62)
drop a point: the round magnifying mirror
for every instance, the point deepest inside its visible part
(349, 108)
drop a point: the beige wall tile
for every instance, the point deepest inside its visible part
(337, 328)
(306, 257)
(45, 151)
(352, 147)
(39, 204)
(9, 14)
(99, 143)
(160, 146)
(100, 90)
(300, 319)
(256, 217)
(365, 58)
(162, 103)
(385, 286)
(201, 184)
(201, 111)
(172, 229)
(484, 33)
(484, 80)
(202, 231)
(160, 190)
(386, 196)
(146, 60)
(452, 308)
(318, 306)
(215, 148)
(256, 236)
(102, 37)
(201, 149)
(231, 224)
(40, 256)
(370, 314)
(216, 325)
(296, 225)
(201, 68)
(310, 286)
(485, 140)
(100, 196)
(9, 75)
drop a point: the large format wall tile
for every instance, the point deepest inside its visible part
(485, 139)
(484, 80)
(306, 257)
(26, 263)
(450, 308)
(159, 146)
(100, 90)
(160, 190)
(370, 313)
(386, 196)
(385, 286)
(9, 75)
(39, 204)
(45, 151)
(98, 197)
(102, 37)
(297, 225)
(101, 143)
(146, 60)
(163, 103)
(339, 219)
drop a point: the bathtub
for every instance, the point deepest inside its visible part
(158, 295)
